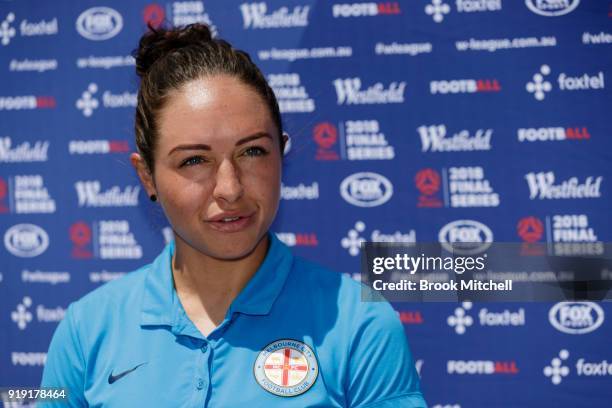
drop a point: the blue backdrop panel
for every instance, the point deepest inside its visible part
(409, 120)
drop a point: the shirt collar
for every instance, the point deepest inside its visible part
(258, 296)
(161, 305)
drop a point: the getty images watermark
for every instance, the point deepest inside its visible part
(492, 272)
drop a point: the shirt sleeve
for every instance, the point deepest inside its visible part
(65, 365)
(382, 373)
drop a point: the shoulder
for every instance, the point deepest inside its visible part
(88, 320)
(367, 340)
(115, 298)
(115, 290)
(353, 300)
(320, 281)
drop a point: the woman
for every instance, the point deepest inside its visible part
(225, 316)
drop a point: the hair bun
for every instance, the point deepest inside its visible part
(159, 42)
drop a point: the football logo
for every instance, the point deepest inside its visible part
(286, 368)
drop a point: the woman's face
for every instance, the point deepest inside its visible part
(217, 166)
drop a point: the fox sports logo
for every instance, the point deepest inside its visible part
(26, 240)
(366, 189)
(576, 317)
(552, 8)
(465, 237)
(99, 23)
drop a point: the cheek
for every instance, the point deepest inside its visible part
(263, 179)
(186, 196)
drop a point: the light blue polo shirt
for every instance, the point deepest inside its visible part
(297, 335)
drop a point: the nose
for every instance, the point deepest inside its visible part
(227, 187)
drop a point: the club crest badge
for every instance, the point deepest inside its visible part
(286, 368)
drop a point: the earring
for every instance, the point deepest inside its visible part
(153, 197)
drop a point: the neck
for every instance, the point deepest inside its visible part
(207, 286)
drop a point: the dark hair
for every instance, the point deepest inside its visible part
(167, 58)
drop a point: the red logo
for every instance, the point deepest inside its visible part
(3, 192)
(506, 367)
(390, 7)
(427, 181)
(153, 15)
(119, 146)
(80, 235)
(577, 133)
(411, 317)
(488, 85)
(299, 239)
(306, 239)
(43, 102)
(325, 135)
(530, 229)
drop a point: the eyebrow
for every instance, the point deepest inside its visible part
(200, 146)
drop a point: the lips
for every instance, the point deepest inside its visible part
(228, 222)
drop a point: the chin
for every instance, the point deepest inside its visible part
(233, 249)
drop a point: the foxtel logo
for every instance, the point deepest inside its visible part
(539, 84)
(542, 186)
(585, 81)
(598, 368)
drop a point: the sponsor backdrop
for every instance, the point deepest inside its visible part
(428, 120)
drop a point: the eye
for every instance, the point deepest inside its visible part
(255, 151)
(192, 161)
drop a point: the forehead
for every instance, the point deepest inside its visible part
(212, 110)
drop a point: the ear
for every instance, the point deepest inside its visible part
(284, 141)
(146, 178)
